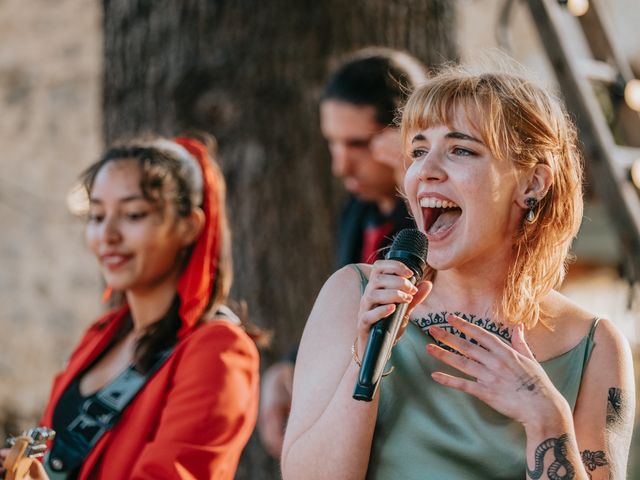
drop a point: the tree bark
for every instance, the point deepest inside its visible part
(250, 72)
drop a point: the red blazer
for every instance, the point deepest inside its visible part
(193, 417)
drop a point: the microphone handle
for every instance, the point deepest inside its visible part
(377, 352)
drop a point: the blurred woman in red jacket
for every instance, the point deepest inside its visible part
(166, 386)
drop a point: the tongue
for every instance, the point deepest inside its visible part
(445, 220)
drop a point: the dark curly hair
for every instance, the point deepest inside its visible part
(166, 178)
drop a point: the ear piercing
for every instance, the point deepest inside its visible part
(532, 203)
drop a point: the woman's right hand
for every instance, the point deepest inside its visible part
(388, 285)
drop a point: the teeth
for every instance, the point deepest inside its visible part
(432, 202)
(112, 259)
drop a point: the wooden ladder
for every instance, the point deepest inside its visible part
(592, 84)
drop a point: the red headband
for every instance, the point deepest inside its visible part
(195, 283)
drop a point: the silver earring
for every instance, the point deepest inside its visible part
(532, 203)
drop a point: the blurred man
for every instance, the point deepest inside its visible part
(358, 109)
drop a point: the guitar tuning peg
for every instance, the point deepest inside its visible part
(41, 434)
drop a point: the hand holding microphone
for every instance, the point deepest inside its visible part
(390, 294)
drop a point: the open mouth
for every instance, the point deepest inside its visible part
(439, 216)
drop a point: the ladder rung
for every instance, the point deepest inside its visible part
(625, 156)
(596, 70)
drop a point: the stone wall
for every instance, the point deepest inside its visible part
(50, 61)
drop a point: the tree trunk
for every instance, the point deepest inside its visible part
(250, 72)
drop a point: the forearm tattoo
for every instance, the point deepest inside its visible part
(618, 431)
(561, 468)
(617, 417)
(593, 460)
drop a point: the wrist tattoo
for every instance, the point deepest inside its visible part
(593, 460)
(561, 468)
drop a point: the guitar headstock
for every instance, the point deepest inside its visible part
(34, 440)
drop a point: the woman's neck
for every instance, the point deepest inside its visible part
(465, 292)
(475, 287)
(149, 305)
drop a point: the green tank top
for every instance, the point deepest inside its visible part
(427, 431)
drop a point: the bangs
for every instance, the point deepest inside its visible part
(437, 102)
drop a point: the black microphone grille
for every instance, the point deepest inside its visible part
(410, 246)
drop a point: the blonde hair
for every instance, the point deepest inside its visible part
(521, 122)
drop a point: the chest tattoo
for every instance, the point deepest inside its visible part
(439, 319)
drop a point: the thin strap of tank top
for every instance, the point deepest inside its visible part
(590, 343)
(593, 328)
(363, 279)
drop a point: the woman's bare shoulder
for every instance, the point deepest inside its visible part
(339, 296)
(570, 321)
(560, 313)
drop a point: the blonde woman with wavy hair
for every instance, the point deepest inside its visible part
(497, 375)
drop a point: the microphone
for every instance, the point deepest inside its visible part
(409, 247)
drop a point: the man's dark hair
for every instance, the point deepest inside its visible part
(379, 77)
